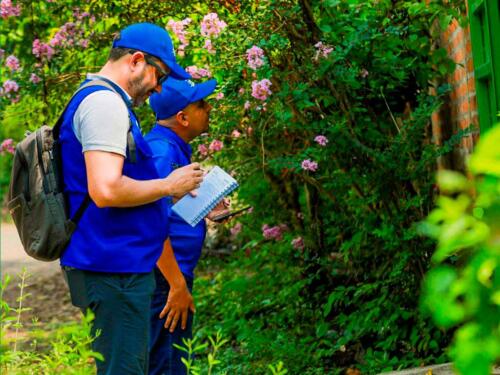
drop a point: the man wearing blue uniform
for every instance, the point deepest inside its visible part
(109, 261)
(182, 114)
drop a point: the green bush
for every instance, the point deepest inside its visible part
(463, 290)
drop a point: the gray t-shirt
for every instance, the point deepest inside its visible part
(101, 122)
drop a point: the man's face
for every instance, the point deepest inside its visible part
(144, 82)
(198, 114)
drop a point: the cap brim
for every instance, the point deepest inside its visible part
(177, 71)
(204, 89)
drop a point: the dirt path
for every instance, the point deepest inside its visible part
(46, 292)
(14, 258)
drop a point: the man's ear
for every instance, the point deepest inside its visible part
(182, 118)
(136, 58)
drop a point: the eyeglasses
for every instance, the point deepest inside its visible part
(163, 74)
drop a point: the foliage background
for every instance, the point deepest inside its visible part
(333, 280)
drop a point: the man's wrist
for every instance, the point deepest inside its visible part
(166, 189)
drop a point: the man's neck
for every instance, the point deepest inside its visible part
(110, 71)
(176, 129)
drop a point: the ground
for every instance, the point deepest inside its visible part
(48, 294)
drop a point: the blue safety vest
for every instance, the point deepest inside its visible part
(122, 240)
(171, 152)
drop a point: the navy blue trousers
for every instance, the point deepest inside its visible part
(120, 303)
(164, 358)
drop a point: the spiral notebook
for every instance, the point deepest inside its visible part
(215, 186)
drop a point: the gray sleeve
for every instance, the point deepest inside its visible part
(101, 123)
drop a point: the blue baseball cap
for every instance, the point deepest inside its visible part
(178, 94)
(153, 40)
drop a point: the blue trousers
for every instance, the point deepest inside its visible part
(164, 358)
(120, 303)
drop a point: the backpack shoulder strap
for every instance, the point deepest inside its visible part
(56, 130)
(96, 82)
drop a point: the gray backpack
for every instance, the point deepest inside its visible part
(36, 200)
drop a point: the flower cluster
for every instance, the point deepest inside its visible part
(260, 89)
(203, 150)
(7, 9)
(196, 72)
(236, 229)
(177, 27)
(212, 26)
(12, 63)
(209, 46)
(298, 243)
(274, 233)
(235, 134)
(322, 50)
(309, 165)
(42, 50)
(34, 78)
(321, 140)
(7, 146)
(219, 96)
(255, 57)
(10, 86)
(216, 145)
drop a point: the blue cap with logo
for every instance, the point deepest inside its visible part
(178, 94)
(153, 40)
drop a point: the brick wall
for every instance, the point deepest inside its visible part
(460, 111)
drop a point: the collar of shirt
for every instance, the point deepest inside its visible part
(172, 136)
(124, 94)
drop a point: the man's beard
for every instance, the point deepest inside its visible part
(138, 91)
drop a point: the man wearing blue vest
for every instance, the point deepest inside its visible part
(106, 162)
(182, 114)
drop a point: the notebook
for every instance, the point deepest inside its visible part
(215, 186)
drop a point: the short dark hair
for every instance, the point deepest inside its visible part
(118, 52)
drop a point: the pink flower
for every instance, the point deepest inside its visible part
(181, 51)
(273, 233)
(236, 229)
(12, 63)
(203, 150)
(260, 89)
(309, 165)
(322, 50)
(65, 35)
(321, 140)
(7, 146)
(247, 105)
(298, 243)
(219, 96)
(209, 46)
(235, 134)
(177, 27)
(34, 78)
(7, 9)
(42, 50)
(364, 73)
(212, 26)
(300, 215)
(196, 72)
(216, 145)
(241, 91)
(10, 86)
(255, 57)
(84, 43)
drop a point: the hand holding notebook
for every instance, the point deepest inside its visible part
(215, 186)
